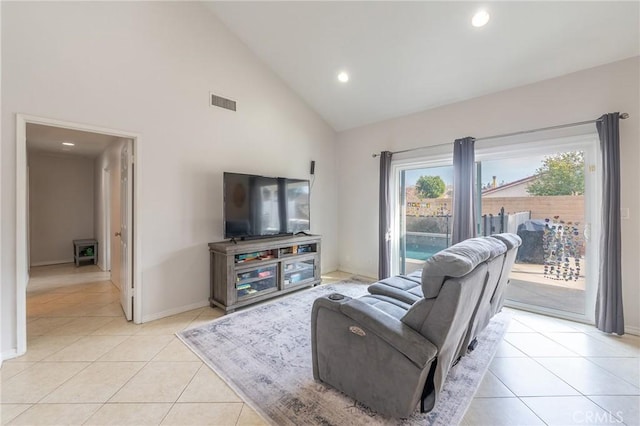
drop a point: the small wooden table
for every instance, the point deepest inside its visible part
(86, 249)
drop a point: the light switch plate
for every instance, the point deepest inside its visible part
(624, 213)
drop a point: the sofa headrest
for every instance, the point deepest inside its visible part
(510, 240)
(457, 261)
(496, 246)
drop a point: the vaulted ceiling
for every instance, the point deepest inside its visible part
(404, 57)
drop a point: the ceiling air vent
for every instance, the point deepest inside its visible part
(221, 102)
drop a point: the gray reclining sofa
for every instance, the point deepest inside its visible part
(394, 347)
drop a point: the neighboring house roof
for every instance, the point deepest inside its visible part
(524, 182)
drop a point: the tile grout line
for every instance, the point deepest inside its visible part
(588, 336)
(181, 392)
(611, 372)
(577, 390)
(605, 409)
(514, 394)
(520, 397)
(80, 337)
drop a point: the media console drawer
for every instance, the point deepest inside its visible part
(256, 281)
(246, 272)
(296, 272)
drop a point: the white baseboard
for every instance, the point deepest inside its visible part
(174, 311)
(11, 353)
(355, 273)
(632, 330)
(51, 262)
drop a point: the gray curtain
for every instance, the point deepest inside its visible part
(609, 314)
(384, 253)
(464, 210)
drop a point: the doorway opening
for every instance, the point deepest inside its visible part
(71, 186)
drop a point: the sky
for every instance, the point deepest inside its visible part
(504, 170)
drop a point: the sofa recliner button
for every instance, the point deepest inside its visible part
(357, 330)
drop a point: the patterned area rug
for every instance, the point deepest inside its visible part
(264, 354)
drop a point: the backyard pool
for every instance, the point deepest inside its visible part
(421, 254)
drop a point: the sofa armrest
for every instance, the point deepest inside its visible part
(369, 355)
(394, 332)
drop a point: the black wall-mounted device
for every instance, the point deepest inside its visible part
(313, 168)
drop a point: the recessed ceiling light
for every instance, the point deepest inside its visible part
(343, 77)
(68, 144)
(480, 19)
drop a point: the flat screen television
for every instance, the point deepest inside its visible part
(259, 206)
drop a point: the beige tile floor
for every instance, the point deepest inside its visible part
(86, 365)
(556, 372)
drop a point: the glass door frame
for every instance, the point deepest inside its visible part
(398, 206)
(588, 143)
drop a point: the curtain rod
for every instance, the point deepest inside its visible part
(623, 116)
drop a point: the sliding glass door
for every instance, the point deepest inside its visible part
(547, 192)
(548, 196)
(423, 217)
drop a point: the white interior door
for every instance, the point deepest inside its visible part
(126, 208)
(106, 208)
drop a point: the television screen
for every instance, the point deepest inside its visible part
(298, 205)
(257, 206)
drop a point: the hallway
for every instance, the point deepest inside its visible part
(76, 290)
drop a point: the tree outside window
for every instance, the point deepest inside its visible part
(561, 174)
(430, 186)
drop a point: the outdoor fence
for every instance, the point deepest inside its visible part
(509, 222)
(551, 227)
(428, 235)
(569, 207)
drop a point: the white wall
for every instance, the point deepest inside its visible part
(576, 97)
(148, 67)
(2, 353)
(60, 206)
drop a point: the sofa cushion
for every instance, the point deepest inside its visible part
(402, 282)
(415, 274)
(455, 261)
(390, 306)
(406, 288)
